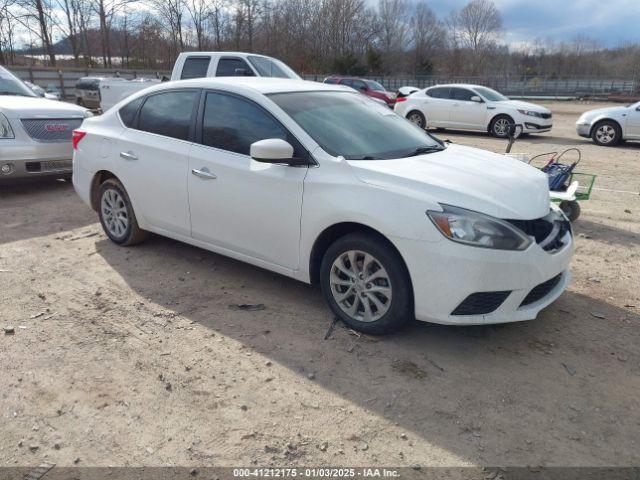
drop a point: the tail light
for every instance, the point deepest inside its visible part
(401, 99)
(76, 137)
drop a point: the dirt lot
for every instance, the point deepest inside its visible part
(132, 356)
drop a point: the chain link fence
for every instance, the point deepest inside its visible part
(63, 81)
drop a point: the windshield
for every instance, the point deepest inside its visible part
(375, 86)
(351, 125)
(490, 94)
(11, 85)
(270, 67)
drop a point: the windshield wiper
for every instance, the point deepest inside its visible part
(364, 157)
(13, 93)
(424, 150)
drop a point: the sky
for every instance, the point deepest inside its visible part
(610, 22)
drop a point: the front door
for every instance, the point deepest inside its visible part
(239, 204)
(466, 113)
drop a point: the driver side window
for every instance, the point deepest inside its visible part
(233, 124)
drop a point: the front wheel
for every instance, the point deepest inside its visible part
(116, 215)
(366, 284)
(501, 126)
(606, 133)
(571, 209)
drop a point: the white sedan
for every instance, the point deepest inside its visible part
(318, 183)
(472, 107)
(610, 126)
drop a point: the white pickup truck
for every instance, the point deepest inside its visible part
(198, 65)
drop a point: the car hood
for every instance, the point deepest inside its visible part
(520, 105)
(608, 111)
(465, 177)
(37, 107)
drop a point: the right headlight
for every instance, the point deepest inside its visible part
(5, 128)
(478, 230)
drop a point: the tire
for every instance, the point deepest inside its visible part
(606, 133)
(499, 126)
(388, 296)
(123, 229)
(417, 118)
(571, 209)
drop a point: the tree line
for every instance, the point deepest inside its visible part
(355, 37)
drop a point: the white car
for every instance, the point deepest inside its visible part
(318, 183)
(472, 107)
(35, 133)
(610, 126)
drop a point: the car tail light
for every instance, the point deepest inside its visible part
(401, 99)
(76, 137)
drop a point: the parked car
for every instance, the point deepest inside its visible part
(609, 126)
(88, 91)
(35, 132)
(472, 107)
(198, 65)
(318, 183)
(367, 87)
(41, 92)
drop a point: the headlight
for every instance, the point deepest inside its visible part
(5, 128)
(530, 113)
(478, 230)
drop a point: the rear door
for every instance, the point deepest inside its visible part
(234, 67)
(154, 156)
(436, 106)
(466, 113)
(238, 204)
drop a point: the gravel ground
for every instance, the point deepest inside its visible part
(132, 356)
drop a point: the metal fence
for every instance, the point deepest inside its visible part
(64, 80)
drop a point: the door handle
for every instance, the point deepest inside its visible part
(204, 173)
(128, 155)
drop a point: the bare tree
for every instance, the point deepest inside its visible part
(70, 27)
(6, 32)
(427, 37)
(36, 17)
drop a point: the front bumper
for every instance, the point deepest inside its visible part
(33, 160)
(583, 129)
(445, 273)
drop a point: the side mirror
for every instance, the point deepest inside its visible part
(476, 99)
(275, 151)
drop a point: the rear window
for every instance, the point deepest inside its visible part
(128, 112)
(233, 67)
(168, 113)
(439, 92)
(195, 67)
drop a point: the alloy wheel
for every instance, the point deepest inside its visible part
(114, 213)
(416, 118)
(501, 127)
(360, 286)
(605, 134)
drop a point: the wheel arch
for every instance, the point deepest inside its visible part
(606, 119)
(339, 230)
(98, 179)
(499, 114)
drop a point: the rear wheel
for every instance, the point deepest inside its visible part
(366, 284)
(116, 215)
(501, 125)
(417, 117)
(606, 133)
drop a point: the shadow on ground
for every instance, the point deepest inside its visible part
(564, 386)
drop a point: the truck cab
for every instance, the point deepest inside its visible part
(229, 64)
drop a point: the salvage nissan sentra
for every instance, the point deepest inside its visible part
(318, 183)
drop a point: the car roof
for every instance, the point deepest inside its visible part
(262, 85)
(459, 85)
(222, 54)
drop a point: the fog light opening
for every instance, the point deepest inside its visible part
(7, 168)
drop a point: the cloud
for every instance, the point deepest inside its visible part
(610, 22)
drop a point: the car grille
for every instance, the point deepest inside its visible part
(540, 291)
(51, 129)
(548, 235)
(481, 303)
